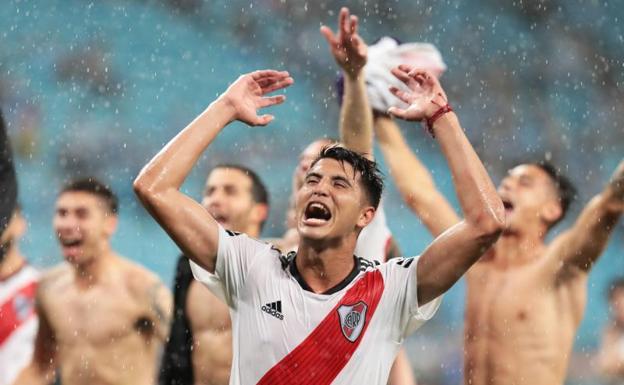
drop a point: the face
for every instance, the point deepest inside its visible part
(529, 197)
(331, 204)
(83, 225)
(617, 306)
(306, 158)
(15, 229)
(228, 197)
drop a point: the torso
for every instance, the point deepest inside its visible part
(520, 323)
(209, 319)
(18, 322)
(104, 333)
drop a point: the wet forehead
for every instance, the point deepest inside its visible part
(529, 171)
(228, 177)
(334, 168)
(78, 200)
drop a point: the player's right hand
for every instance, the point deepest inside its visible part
(247, 95)
(348, 48)
(424, 97)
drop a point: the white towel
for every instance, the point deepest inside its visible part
(386, 54)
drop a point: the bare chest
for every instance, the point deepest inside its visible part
(97, 316)
(206, 313)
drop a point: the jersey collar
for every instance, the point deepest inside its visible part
(292, 267)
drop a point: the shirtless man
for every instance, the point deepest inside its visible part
(101, 317)
(611, 354)
(199, 350)
(525, 298)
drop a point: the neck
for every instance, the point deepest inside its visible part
(12, 262)
(88, 273)
(323, 265)
(516, 248)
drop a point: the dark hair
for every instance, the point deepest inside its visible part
(566, 192)
(259, 192)
(616, 284)
(370, 176)
(93, 186)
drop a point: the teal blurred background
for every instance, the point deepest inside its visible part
(97, 88)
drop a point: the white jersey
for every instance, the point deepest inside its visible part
(283, 333)
(18, 322)
(374, 240)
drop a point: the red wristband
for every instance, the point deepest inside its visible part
(443, 110)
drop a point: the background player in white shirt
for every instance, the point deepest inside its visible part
(305, 319)
(18, 286)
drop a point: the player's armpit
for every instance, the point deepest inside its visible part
(161, 303)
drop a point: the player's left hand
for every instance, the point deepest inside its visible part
(247, 95)
(424, 96)
(348, 48)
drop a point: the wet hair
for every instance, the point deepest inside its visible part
(370, 176)
(566, 192)
(259, 192)
(615, 285)
(93, 186)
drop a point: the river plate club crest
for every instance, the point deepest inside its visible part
(352, 319)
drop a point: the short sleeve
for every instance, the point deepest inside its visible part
(235, 254)
(401, 282)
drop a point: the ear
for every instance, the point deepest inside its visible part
(551, 212)
(366, 216)
(110, 224)
(259, 213)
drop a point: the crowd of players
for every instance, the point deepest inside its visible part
(262, 314)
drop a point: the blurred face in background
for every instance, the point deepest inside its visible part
(84, 225)
(530, 199)
(13, 232)
(305, 160)
(616, 301)
(228, 196)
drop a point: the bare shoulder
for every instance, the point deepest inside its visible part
(137, 278)
(56, 276)
(53, 281)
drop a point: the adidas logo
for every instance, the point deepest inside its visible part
(274, 309)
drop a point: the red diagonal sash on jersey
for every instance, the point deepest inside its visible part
(16, 310)
(326, 351)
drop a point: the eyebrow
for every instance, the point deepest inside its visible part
(342, 178)
(334, 178)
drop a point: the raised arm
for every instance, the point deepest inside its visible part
(350, 52)
(452, 253)
(580, 246)
(42, 367)
(412, 179)
(193, 229)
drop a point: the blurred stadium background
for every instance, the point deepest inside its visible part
(96, 88)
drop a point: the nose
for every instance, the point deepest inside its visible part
(505, 186)
(214, 200)
(66, 224)
(321, 188)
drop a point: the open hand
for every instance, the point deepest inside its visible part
(348, 48)
(247, 94)
(424, 97)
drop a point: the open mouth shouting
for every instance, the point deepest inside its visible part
(508, 205)
(316, 214)
(70, 246)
